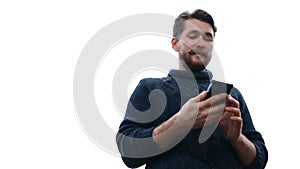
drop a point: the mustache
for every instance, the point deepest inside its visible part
(197, 52)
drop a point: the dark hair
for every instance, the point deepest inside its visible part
(199, 14)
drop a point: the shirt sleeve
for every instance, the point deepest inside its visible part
(250, 132)
(134, 138)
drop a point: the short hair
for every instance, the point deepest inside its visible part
(198, 14)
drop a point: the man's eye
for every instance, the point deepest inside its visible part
(193, 36)
(206, 38)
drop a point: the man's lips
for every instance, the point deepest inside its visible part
(192, 52)
(196, 53)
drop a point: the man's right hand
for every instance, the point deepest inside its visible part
(198, 110)
(193, 114)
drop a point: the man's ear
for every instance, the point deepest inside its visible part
(175, 44)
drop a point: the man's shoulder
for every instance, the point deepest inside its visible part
(156, 81)
(236, 93)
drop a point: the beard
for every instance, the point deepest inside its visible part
(195, 61)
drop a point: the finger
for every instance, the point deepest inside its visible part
(219, 96)
(233, 110)
(237, 120)
(227, 115)
(214, 100)
(218, 99)
(215, 112)
(210, 115)
(231, 101)
(219, 108)
(200, 96)
(210, 119)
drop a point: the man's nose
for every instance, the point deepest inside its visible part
(200, 42)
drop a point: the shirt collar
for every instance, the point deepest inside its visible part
(198, 75)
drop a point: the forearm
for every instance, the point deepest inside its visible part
(135, 144)
(169, 132)
(245, 150)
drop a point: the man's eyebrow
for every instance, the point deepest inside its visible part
(208, 34)
(194, 31)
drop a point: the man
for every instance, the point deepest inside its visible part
(171, 138)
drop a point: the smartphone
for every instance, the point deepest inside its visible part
(217, 87)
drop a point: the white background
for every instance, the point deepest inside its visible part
(40, 42)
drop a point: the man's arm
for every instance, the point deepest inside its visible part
(166, 134)
(231, 124)
(193, 114)
(236, 123)
(134, 138)
(245, 150)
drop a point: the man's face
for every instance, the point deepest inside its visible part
(195, 45)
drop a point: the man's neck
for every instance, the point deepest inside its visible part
(184, 67)
(181, 66)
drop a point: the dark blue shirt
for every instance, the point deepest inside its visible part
(154, 101)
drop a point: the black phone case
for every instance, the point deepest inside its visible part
(217, 87)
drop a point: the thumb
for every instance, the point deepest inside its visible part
(200, 97)
(203, 95)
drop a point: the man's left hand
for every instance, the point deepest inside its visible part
(231, 121)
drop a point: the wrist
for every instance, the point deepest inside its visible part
(164, 126)
(238, 140)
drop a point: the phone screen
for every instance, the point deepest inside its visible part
(217, 87)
